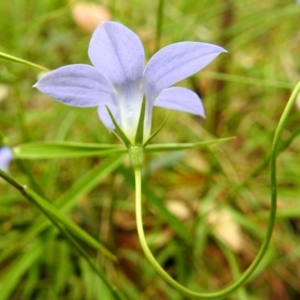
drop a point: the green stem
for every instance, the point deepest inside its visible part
(239, 282)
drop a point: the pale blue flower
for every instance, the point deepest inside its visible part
(119, 79)
(6, 156)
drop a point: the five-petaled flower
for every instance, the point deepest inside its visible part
(118, 80)
(6, 156)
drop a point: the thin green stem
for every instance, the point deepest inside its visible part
(159, 22)
(12, 58)
(272, 215)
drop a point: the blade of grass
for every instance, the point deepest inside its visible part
(18, 268)
(54, 215)
(65, 202)
(113, 289)
(15, 59)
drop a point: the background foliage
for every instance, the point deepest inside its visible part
(205, 210)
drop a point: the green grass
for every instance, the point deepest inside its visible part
(244, 93)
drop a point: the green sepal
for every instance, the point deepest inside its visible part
(156, 132)
(119, 132)
(140, 128)
(11, 58)
(176, 147)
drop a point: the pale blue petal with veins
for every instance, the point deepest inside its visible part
(6, 157)
(119, 80)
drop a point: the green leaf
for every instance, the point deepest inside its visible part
(51, 212)
(47, 207)
(15, 59)
(14, 272)
(59, 149)
(176, 147)
(249, 81)
(66, 202)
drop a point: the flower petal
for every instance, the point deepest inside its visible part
(6, 156)
(77, 85)
(176, 62)
(117, 52)
(182, 99)
(105, 117)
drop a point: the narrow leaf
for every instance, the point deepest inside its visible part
(17, 269)
(11, 58)
(59, 149)
(71, 226)
(65, 202)
(176, 147)
(47, 207)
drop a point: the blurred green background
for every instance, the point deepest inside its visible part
(205, 211)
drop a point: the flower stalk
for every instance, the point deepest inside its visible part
(271, 221)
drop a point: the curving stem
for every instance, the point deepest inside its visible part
(272, 215)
